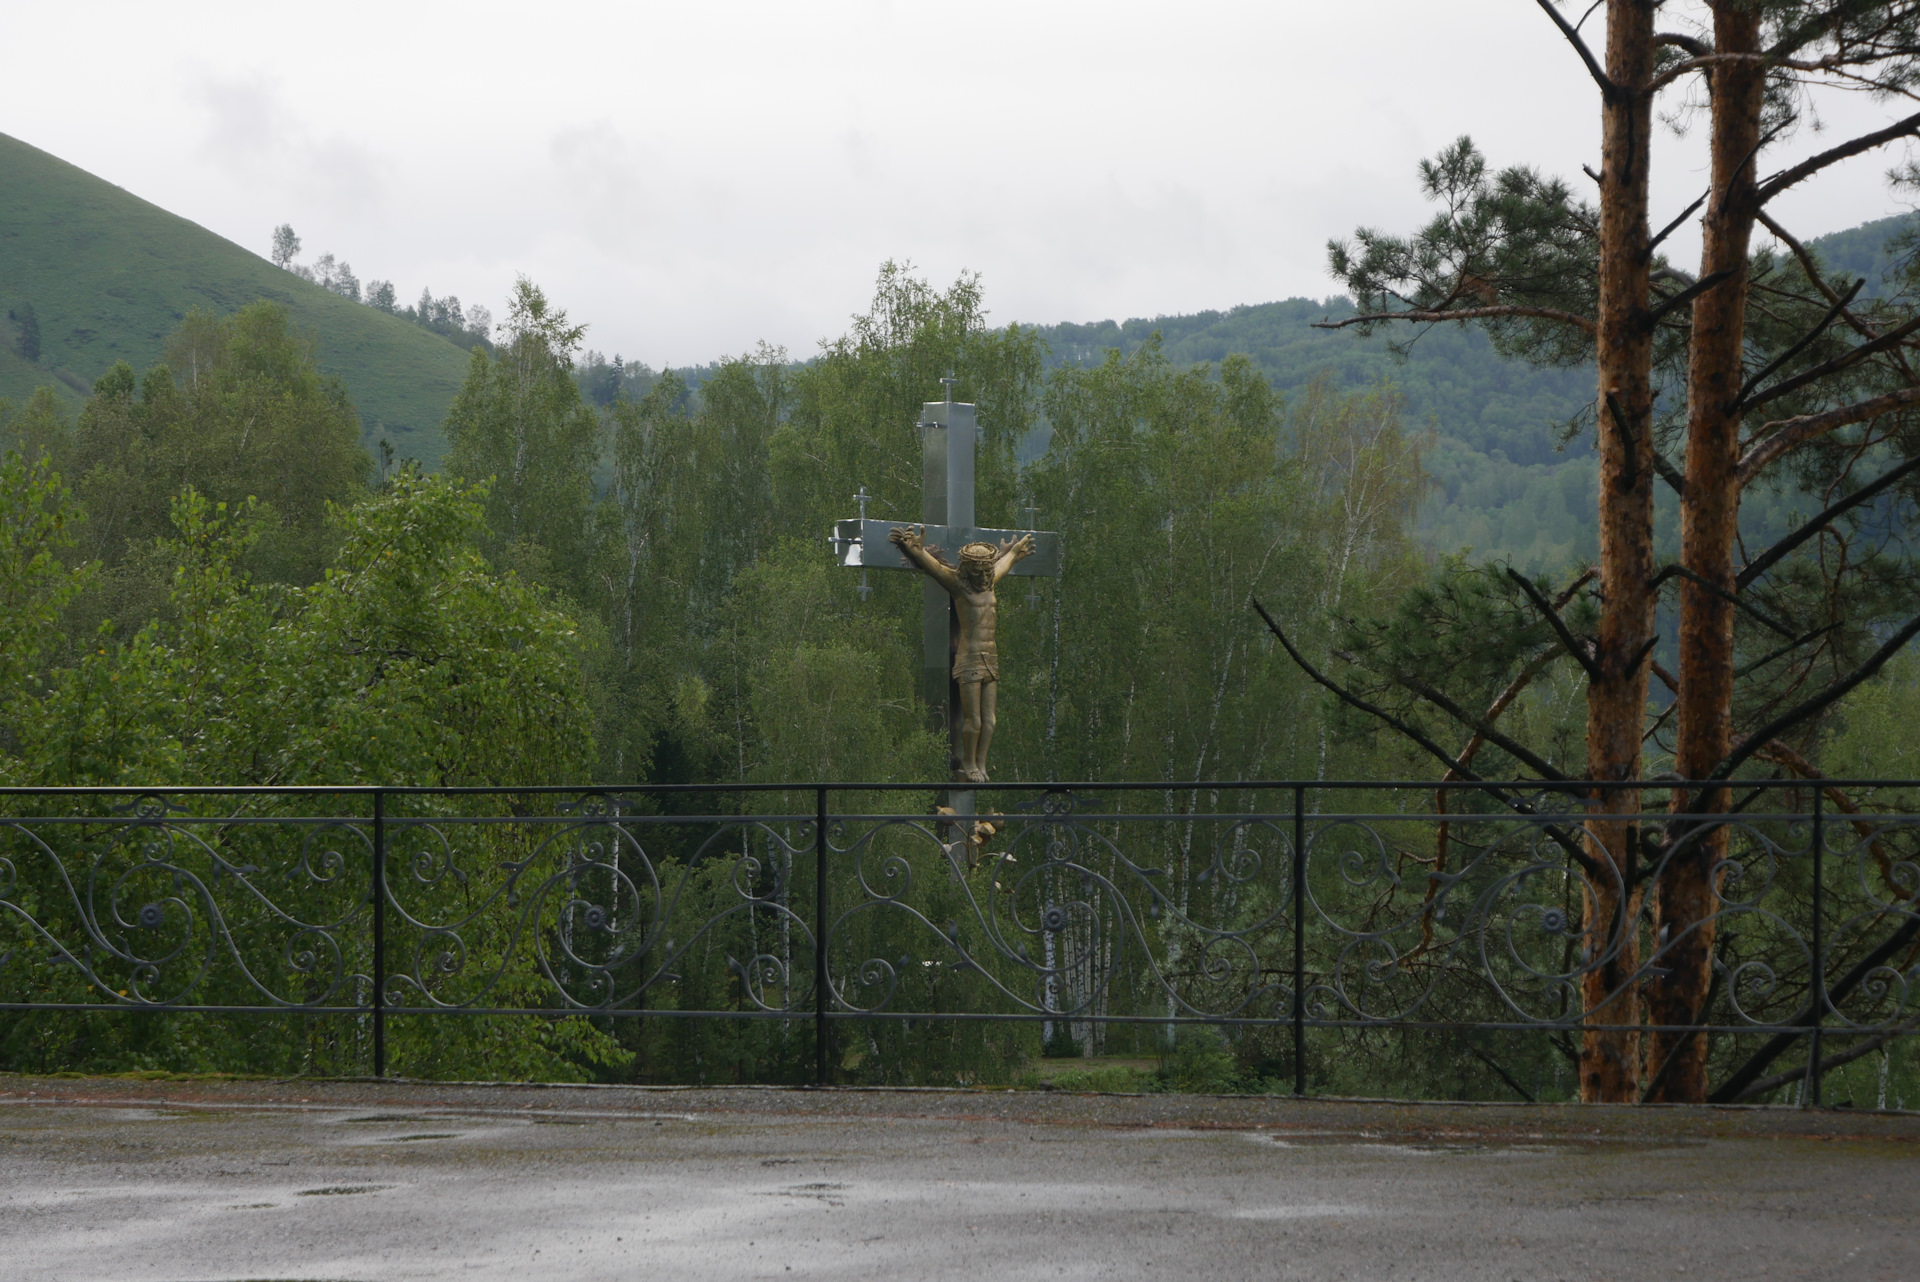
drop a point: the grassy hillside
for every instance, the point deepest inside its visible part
(109, 276)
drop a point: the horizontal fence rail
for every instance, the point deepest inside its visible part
(1097, 912)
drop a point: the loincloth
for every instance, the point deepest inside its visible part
(981, 665)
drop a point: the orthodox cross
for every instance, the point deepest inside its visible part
(863, 498)
(948, 434)
(1033, 514)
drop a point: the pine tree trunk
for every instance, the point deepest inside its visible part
(1686, 896)
(1616, 698)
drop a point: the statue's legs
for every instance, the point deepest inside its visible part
(989, 702)
(970, 726)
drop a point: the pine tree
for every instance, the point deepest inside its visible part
(1764, 373)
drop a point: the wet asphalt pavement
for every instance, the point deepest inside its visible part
(180, 1181)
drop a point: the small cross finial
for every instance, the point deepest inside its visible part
(949, 380)
(1033, 594)
(863, 498)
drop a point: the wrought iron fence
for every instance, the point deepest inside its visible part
(1280, 911)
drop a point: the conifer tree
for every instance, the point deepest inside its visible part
(1758, 370)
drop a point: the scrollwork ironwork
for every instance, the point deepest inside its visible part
(1069, 911)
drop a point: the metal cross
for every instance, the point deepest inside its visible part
(947, 437)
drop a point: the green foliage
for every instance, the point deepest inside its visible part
(854, 407)
(1442, 651)
(34, 583)
(1200, 1061)
(240, 412)
(828, 687)
(1876, 734)
(1491, 410)
(1103, 1079)
(408, 662)
(1178, 497)
(520, 424)
(111, 274)
(40, 428)
(1515, 236)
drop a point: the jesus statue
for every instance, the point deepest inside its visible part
(976, 662)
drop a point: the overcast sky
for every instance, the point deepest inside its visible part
(692, 178)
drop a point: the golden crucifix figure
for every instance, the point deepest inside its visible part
(976, 660)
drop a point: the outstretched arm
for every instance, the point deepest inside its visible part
(912, 541)
(1011, 550)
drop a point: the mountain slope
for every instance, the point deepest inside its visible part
(1864, 250)
(109, 276)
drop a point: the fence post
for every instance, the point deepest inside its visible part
(1818, 989)
(379, 932)
(1299, 940)
(822, 1035)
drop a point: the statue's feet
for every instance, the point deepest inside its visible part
(976, 775)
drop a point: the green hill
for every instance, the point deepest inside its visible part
(1864, 250)
(1503, 483)
(108, 277)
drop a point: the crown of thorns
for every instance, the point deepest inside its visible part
(979, 554)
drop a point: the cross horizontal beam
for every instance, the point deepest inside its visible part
(859, 542)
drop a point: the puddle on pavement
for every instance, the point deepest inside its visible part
(431, 1135)
(344, 1190)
